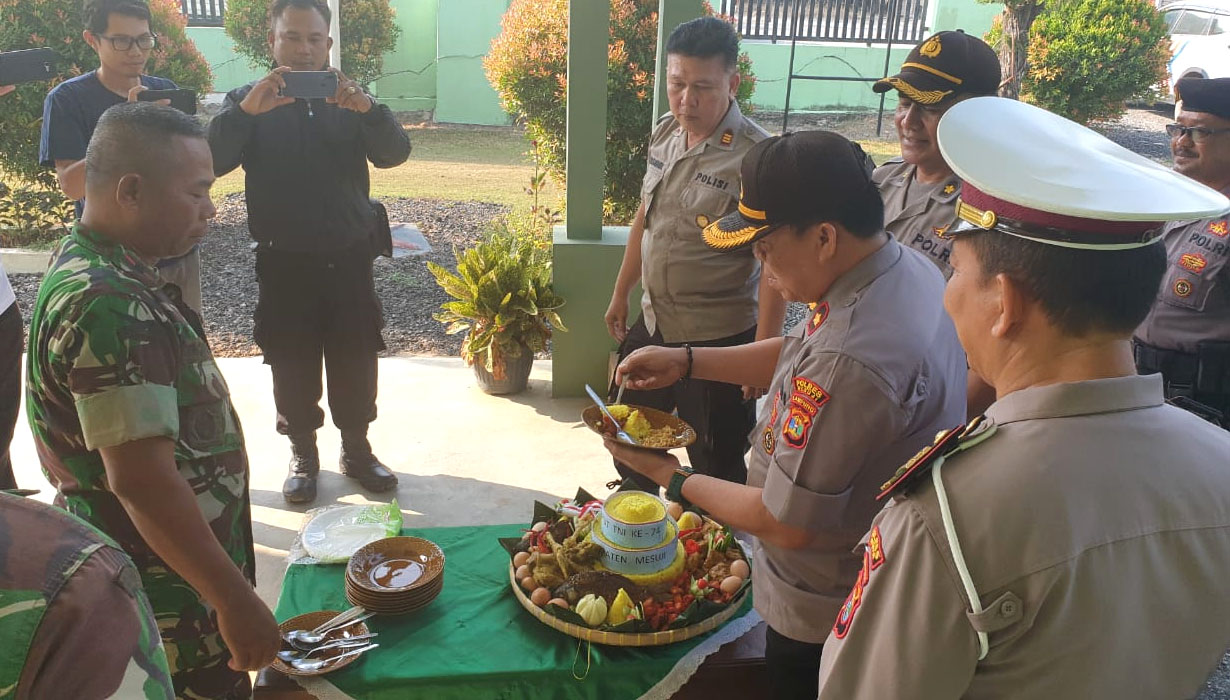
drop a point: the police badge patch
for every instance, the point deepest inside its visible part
(1194, 262)
(1182, 288)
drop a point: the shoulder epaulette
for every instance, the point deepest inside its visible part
(946, 442)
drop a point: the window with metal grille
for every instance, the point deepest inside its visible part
(862, 21)
(203, 13)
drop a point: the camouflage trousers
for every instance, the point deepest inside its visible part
(196, 654)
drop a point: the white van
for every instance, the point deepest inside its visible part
(1199, 39)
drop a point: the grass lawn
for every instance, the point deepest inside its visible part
(456, 162)
(486, 164)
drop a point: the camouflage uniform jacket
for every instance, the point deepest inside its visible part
(115, 356)
(68, 592)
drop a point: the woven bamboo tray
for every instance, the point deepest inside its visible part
(624, 639)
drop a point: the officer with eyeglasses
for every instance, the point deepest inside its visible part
(119, 32)
(1186, 336)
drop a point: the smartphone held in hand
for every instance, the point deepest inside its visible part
(182, 99)
(310, 84)
(27, 65)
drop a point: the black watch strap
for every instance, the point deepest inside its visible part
(674, 489)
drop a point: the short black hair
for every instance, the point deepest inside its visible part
(705, 37)
(135, 137)
(277, 7)
(96, 13)
(1081, 291)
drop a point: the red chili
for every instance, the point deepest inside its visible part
(702, 584)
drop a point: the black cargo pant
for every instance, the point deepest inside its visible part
(793, 667)
(716, 410)
(11, 342)
(316, 307)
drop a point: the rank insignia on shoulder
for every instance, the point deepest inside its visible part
(946, 442)
(728, 137)
(702, 220)
(820, 312)
(1219, 228)
(940, 232)
(950, 188)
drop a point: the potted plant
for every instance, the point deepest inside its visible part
(504, 301)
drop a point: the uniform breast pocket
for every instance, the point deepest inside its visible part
(205, 419)
(1192, 276)
(653, 176)
(706, 203)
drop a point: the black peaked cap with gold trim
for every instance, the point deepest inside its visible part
(797, 178)
(946, 65)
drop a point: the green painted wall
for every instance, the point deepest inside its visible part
(409, 82)
(464, 34)
(230, 69)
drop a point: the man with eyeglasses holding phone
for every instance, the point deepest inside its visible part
(119, 32)
(1186, 336)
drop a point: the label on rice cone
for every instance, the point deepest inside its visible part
(638, 561)
(632, 535)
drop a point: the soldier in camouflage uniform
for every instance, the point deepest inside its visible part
(130, 412)
(68, 592)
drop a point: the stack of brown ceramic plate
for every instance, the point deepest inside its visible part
(396, 575)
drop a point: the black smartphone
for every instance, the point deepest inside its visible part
(26, 66)
(182, 99)
(309, 84)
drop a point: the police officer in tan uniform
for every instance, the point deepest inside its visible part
(692, 294)
(919, 189)
(1186, 336)
(855, 390)
(1074, 541)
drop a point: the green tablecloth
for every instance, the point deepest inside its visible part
(475, 640)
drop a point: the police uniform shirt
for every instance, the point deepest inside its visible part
(858, 388)
(919, 214)
(1095, 524)
(691, 291)
(1194, 301)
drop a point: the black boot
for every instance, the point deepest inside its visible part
(358, 462)
(300, 484)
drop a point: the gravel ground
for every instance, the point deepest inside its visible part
(408, 291)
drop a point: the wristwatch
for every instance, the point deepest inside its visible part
(674, 489)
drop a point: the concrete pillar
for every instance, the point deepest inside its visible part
(588, 36)
(671, 14)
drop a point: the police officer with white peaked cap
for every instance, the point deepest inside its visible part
(1074, 541)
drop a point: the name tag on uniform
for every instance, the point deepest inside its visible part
(713, 181)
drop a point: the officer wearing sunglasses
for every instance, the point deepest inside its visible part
(1186, 336)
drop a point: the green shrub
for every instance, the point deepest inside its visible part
(57, 24)
(369, 30)
(32, 216)
(528, 67)
(503, 299)
(1086, 57)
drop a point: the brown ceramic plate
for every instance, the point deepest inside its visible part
(376, 602)
(311, 620)
(681, 434)
(395, 564)
(392, 607)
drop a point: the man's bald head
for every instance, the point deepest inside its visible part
(136, 137)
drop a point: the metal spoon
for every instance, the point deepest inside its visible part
(305, 640)
(288, 655)
(317, 664)
(619, 396)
